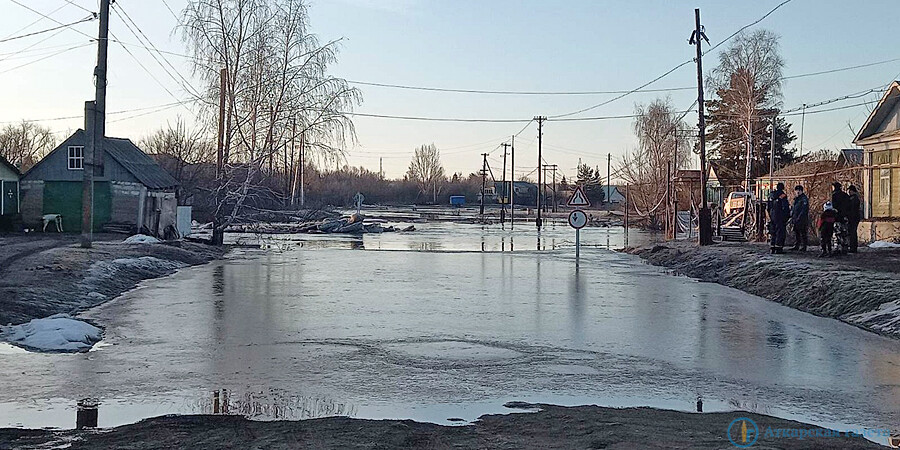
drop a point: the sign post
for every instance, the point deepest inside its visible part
(578, 219)
(359, 198)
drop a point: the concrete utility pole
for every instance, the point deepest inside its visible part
(705, 219)
(553, 168)
(802, 126)
(772, 155)
(540, 120)
(93, 150)
(505, 188)
(483, 179)
(608, 187)
(512, 187)
(381, 167)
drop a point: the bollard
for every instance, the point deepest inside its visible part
(87, 412)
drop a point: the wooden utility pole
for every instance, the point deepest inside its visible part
(92, 163)
(302, 168)
(705, 219)
(668, 199)
(505, 188)
(218, 235)
(540, 120)
(380, 167)
(483, 179)
(512, 187)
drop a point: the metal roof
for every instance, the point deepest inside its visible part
(143, 167)
(6, 163)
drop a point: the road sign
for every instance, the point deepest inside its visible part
(578, 198)
(578, 219)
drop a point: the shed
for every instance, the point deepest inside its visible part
(130, 189)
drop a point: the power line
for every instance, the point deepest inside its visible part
(668, 72)
(50, 18)
(45, 57)
(499, 92)
(184, 82)
(35, 33)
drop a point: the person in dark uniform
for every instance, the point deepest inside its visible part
(854, 214)
(841, 203)
(800, 219)
(779, 213)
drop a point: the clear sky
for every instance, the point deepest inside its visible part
(529, 45)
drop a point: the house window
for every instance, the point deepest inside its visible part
(76, 158)
(884, 185)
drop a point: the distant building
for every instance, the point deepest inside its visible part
(9, 194)
(722, 181)
(524, 194)
(880, 139)
(131, 190)
(614, 194)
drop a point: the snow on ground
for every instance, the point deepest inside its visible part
(885, 318)
(884, 244)
(141, 239)
(57, 333)
(102, 272)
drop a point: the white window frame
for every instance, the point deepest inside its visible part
(75, 160)
(884, 185)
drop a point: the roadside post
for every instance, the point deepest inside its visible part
(578, 219)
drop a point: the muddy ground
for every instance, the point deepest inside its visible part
(42, 274)
(861, 289)
(551, 427)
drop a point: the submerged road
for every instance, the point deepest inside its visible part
(390, 330)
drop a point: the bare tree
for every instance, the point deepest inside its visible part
(749, 77)
(427, 171)
(276, 77)
(25, 143)
(187, 154)
(659, 143)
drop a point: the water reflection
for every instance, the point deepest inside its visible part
(272, 404)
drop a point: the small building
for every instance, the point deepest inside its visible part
(524, 192)
(131, 190)
(880, 139)
(721, 181)
(614, 194)
(9, 194)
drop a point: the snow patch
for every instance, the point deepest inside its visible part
(884, 244)
(101, 272)
(57, 333)
(141, 239)
(885, 318)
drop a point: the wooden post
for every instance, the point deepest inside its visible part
(218, 234)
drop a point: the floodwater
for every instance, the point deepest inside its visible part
(426, 325)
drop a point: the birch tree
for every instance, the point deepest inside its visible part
(426, 170)
(277, 86)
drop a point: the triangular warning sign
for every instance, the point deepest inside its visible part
(578, 198)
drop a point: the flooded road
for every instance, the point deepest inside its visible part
(427, 326)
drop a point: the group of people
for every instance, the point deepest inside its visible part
(838, 221)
